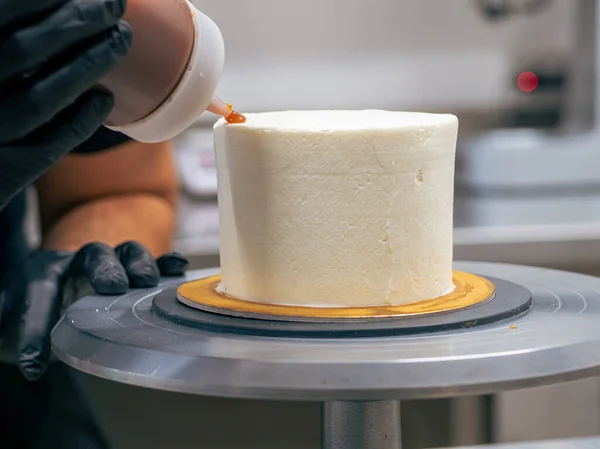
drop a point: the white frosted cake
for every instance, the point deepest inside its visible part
(336, 208)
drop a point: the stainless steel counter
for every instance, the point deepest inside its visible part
(569, 246)
(579, 443)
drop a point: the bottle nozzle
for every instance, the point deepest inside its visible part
(219, 107)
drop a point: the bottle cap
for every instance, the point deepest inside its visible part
(194, 92)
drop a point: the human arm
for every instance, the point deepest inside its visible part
(91, 208)
(126, 193)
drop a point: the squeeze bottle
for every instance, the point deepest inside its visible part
(170, 74)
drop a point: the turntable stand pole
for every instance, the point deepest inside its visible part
(361, 425)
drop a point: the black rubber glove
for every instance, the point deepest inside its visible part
(52, 53)
(48, 284)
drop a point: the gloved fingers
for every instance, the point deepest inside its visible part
(172, 264)
(41, 287)
(26, 111)
(75, 21)
(139, 264)
(99, 264)
(12, 11)
(23, 163)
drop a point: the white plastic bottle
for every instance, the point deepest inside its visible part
(171, 73)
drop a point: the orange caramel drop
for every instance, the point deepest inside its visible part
(234, 117)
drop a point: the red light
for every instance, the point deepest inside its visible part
(527, 81)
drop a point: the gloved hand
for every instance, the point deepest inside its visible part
(45, 287)
(52, 53)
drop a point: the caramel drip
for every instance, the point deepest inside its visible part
(234, 117)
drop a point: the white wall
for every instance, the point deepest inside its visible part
(381, 53)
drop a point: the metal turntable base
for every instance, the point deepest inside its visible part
(360, 380)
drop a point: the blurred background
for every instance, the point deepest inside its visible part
(521, 76)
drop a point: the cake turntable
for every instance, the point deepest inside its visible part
(539, 326)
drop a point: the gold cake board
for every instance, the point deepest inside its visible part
(469, 290)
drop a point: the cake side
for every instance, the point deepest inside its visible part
(336, 208)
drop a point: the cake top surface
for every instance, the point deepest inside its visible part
(340, 120)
